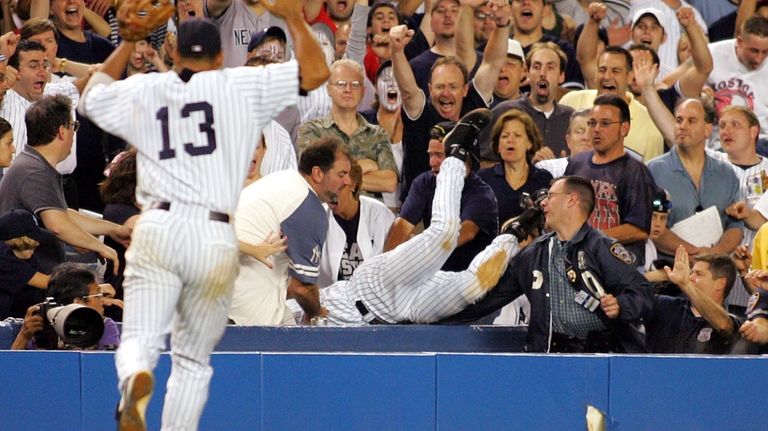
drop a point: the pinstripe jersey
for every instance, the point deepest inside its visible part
(280, 154)
(749, 194)
(316, 104)
(195, 140)
(15, 106)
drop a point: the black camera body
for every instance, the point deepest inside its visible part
(75, 325)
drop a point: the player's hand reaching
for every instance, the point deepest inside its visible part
(139, 18)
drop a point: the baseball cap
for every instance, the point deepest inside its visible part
(199, 38)
(515, 49)
(661, 203)
(259, 37)
(438, 2)
(441, 129)
(648, 11)
(18, 223)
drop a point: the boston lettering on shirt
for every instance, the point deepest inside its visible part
(606, 213)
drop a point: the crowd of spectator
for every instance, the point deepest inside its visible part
(638, 128)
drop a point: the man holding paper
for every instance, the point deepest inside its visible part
(695, 182)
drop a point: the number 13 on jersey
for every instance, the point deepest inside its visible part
(205, 127)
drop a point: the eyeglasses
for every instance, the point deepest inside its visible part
(602, 123)
(548, 194)
(75, 125)
(341, 85)
(96, 295)
(484, 16)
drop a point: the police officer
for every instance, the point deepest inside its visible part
(585, 294)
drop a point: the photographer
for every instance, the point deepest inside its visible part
(70, 283)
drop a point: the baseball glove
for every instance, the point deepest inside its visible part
(138, 18)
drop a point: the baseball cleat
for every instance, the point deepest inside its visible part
(461, 142)
(137, 390)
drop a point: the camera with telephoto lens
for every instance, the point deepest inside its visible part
(76, 325)
(531, 221)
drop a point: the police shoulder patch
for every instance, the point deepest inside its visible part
(622, 253)
(752, 303)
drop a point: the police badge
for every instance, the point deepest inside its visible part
(622, 253)
(752, 303)
(571, 274)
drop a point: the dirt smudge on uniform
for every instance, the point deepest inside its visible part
(490, 271)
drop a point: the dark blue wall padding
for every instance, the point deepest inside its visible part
(689, 393)
(519, 392)
(77, 391)
(348, 392)
(40, 391)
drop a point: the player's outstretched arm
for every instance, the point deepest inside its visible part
(313, 71)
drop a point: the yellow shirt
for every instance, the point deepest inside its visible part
(644, 138)
(760, 248)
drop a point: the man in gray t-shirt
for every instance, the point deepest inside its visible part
(238, 20)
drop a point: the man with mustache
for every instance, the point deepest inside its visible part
(289, 203)
(546, 71)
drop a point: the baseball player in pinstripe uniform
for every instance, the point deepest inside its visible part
(195, 129)
(406, 284)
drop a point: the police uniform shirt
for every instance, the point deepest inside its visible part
(673, 328)
(568, 317)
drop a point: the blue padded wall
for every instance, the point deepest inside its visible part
(526, 392)
(74, 391)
